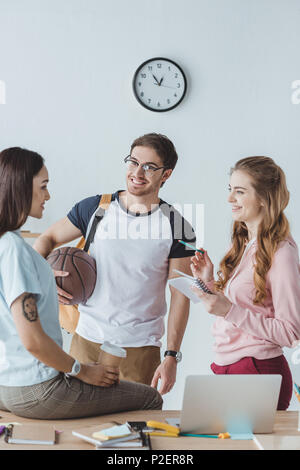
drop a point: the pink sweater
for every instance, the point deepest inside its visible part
(256, 330)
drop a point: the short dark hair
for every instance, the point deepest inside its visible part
(162, 145)
(17, 168)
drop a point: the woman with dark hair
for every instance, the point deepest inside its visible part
(257, 294)
(37, 378)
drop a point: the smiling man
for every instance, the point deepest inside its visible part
(134, 261)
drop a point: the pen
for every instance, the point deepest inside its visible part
(297, 391)
(297, 388)
(221, 435)
(191, 246)
(298, 396)
(215, 436)
(146, 440)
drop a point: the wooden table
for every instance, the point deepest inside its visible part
(285, 430)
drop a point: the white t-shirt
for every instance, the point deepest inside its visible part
(132, 253)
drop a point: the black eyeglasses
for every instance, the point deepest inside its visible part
(148, 169)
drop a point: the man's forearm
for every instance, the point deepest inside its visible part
(177, 321)
(44, 245)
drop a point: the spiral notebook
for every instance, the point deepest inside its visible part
(183, 283)
(30, 434)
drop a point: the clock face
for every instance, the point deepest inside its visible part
(159, 84)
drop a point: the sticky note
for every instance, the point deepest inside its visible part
(112, 433)
(242, 436)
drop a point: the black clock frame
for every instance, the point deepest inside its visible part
(135, 91)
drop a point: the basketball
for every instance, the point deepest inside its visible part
(81, 281)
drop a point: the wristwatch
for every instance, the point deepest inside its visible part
(176, 354)
(75, 369)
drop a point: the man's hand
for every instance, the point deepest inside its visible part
(166, 372)
(63, 296)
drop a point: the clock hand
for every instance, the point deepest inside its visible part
(166, 86)
(161, 81)
(156, 80)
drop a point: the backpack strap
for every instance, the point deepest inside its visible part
(104, 203)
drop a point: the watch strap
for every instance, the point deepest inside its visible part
(171, 353)
(75, 369)
(176, 354)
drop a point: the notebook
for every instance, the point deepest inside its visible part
(88, 434)
(142, 443)
(30, 434)
(183, 283)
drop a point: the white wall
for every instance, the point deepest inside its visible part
(68, 66)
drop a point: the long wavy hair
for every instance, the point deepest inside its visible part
(269, 182)
(17, 169)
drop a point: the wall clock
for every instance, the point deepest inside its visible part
(159, 84)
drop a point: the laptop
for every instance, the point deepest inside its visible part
(229, 403)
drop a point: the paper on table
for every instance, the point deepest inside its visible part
(10, 422)
(277, 442)
(242, 436)
(183, 284)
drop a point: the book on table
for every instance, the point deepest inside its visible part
(30, 434)
(108, 435)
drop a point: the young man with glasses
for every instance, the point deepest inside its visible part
(136, 249)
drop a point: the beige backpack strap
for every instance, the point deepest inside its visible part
(81, 243)
(105, 201)
(103, 205)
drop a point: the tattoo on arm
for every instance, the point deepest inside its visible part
(30, 311)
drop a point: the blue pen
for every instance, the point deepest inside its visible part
(191, 246)
(297, 388)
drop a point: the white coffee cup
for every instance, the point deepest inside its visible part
(111, 355)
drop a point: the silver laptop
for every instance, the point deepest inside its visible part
(229, 403)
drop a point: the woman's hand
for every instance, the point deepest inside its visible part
(63, 296)
(98, 374)
(216, 304)
(202, 266)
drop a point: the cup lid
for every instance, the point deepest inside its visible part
(113, 349)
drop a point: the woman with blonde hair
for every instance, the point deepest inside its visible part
(256, 297)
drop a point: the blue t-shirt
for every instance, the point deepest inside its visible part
(22, 269)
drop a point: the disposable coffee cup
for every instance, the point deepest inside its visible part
(111, 355)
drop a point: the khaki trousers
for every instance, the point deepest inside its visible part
(139, 365)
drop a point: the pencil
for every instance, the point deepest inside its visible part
(191, 246)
